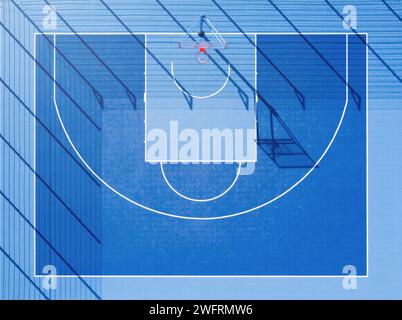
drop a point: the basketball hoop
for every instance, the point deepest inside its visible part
(199, 40)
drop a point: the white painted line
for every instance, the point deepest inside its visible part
(34, 155)
(183, 33)
(206, 199)
(145, 95)
(198, 276)
(219, 161)
(255, 95)
(207, 276)
(195, 96)
(367, 156)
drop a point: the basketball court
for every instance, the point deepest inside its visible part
(213, 154)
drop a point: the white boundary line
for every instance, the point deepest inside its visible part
(255, 97)
(197, 276)
(367, 155)
(34, 155)
(227, 276)
(183, 33)
(145, 95)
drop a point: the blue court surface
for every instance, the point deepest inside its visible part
(282, 192)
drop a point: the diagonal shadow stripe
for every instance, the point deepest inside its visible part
(367, 44)
(355, 95)
(77, 218)
(392, 10)
(23, 272)
(49, 132)
(38, 233)
(96, 92)
(108, 8)
(299, 95)
(130, 95)
(51, 77)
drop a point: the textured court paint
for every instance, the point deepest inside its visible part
(385, 117)
(124, 242)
